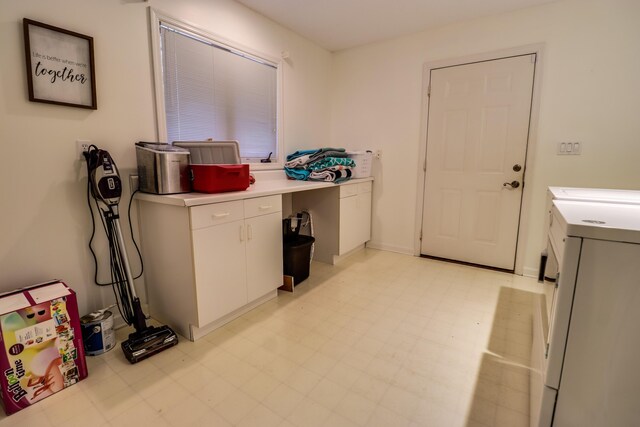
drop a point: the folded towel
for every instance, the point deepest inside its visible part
(335, 176)
(317, 152)
(331, 162)
(327, 152)
(299, 174)
(301, 153)
(298, 161)
(302, 163)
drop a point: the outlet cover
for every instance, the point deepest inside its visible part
(82, 145)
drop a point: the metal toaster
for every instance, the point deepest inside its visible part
(162, 168)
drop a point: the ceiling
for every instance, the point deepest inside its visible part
(342, 24)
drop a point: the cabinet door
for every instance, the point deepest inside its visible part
(264, 254)
(349, 227)
(219, 263)
(364, 217)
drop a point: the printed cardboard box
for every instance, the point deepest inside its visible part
(41, 349)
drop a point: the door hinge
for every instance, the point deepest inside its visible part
(424, 165)
(429, 90)
(420, 235)
(557, 280)
(546, 352)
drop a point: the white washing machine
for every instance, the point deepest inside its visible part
(586, 344)
(601, 195)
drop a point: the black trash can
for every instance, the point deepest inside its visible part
(296, 256)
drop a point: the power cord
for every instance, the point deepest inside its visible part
(119, 279)
(104, 225)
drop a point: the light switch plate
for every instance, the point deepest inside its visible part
(569, 148)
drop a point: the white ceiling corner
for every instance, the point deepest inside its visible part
(342, 24)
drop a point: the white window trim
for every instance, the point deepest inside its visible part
(156, 17)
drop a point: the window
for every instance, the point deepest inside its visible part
(210, 89)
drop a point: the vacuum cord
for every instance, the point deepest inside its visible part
(93, 233)
(119, 284)
(118, 275)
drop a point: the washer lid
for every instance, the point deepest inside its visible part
(597, 220)
(596, 195)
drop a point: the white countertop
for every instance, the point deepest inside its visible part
(267, 184)
(602, 221)
(596, 195)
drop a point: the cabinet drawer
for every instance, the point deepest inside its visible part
(262, 206)
(216, 213)
(348, 190)
(364, 187)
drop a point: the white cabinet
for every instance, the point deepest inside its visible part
(205, 265)
(263, 245)
(219, 260)
(341, 218)
(355, 216)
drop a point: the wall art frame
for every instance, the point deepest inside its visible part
(60, 66)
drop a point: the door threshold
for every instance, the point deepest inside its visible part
(470, 264)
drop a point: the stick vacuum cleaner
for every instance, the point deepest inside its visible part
(106, 189)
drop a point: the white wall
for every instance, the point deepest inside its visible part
(590, 92)
(44, 220)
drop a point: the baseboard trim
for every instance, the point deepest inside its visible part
(389, 248)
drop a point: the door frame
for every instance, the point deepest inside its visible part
(525, 205)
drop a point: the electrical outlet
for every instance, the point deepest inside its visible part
(133, 182)
(378, 154)
(82, 146)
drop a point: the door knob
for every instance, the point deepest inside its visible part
(517, 168)
(512, 184)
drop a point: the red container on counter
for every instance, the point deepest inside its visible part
(219, 178)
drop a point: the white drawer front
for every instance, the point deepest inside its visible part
(364, 187)
(216, 213)
(262, 206)
(347, 190)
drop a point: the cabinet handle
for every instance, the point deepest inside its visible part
(249, 232)
(242, 233)
(220, 215)
(265, 207)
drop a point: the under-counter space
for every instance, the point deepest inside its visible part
(341, 219)
(212, 257)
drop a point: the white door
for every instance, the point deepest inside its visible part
(477, 136)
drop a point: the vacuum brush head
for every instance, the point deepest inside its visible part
(146, 343)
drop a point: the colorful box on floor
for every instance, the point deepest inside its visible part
(42, 350)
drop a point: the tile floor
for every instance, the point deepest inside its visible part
(382, 339)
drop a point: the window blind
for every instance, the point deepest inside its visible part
(215, 92)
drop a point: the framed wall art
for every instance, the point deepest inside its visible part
(60, 66)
